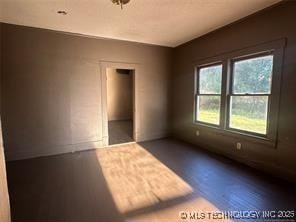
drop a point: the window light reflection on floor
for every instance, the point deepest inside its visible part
(142, 186)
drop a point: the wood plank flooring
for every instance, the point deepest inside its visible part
(151, 181)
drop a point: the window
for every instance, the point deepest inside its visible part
(250, 94)
(239, 92)
(208, 98)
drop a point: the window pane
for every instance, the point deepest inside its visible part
(210, 80)
(208, 109)
(253, 75)
(249, 113)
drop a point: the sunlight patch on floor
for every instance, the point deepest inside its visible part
(137, 179)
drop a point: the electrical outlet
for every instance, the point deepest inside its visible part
(238, 146)
(197, 133)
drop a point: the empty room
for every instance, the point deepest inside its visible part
(147, 110)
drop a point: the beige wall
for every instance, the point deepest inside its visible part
(52, 94)
(4, 199)
(119, 95)
(275, 23)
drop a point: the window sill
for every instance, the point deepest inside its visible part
(241, 136)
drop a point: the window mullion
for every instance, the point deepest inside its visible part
(224, 90)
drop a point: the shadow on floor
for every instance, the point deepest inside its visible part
(63, 188)
(225, 183)
(149, 181)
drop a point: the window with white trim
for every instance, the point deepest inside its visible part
(250, 91)
(208, 98)
(239, 92)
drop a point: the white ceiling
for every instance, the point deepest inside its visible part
(160, 22)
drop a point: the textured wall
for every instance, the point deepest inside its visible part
(274, 23)
(119, 95)
(52, 90)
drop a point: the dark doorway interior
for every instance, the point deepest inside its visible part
(120, 131)
(120, 105)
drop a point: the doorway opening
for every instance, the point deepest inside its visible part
(120, 103)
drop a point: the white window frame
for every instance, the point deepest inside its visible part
(197, 94)
(276, 48)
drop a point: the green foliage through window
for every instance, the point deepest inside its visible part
(249, 113)
(253, 76)
(209, 99)
(249, 94)
(210, 80)
(209, 109)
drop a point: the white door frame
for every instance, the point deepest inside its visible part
(118, 65)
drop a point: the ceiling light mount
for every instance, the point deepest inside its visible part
(120, 2)
(61, 12)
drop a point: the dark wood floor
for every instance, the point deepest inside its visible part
(120, 131)
(151, 181)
